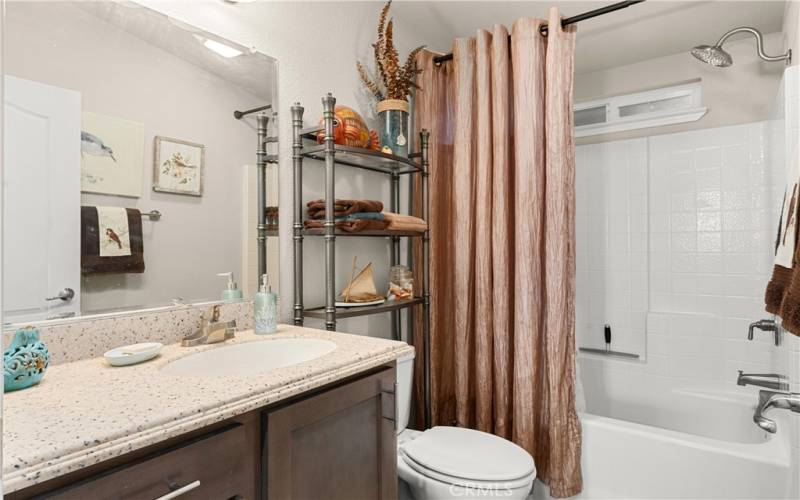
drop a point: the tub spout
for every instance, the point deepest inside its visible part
(766, 424)
(772, 381)
(772, 399)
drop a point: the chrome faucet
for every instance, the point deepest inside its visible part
(766, 325)
(767, 380)
(772, 399)
(211, 330)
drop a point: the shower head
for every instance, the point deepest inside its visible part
(716, 56)
(713, 55)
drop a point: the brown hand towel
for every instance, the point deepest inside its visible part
(127, 245)
(350, 226)
(400, 222)
(782, 296)
(316, 208)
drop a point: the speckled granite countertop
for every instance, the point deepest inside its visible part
(87, 411)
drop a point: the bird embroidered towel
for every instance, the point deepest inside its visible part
(111, 240)
(113, 231)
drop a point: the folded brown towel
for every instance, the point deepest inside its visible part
(316, 208)
(400, 222)
(350, 226)
(91, 260)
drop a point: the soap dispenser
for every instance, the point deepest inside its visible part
(231, 293)
(266, 308)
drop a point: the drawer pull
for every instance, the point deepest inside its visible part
(180, 491)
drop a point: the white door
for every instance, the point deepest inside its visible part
(41, 201)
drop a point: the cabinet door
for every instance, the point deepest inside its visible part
(339, 444)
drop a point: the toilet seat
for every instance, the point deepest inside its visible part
(468, 458)
(480, 484)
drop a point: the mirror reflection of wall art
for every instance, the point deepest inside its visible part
(112, 155)
(178, 166)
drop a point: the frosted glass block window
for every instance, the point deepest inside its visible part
(651, 108)
(590, 116)
(659, 105)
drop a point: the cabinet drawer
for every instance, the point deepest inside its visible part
(211, 466)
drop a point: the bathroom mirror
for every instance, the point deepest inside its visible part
(128, 183)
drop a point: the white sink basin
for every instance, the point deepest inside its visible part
(249, 358)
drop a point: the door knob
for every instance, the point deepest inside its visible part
(66, 295)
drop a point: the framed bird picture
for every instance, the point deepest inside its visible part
(178, 166)
(112, 155)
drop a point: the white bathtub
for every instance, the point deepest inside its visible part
(687, 444)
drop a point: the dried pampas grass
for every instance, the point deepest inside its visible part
(392, 81)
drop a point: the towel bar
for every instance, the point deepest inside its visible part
(152, 214)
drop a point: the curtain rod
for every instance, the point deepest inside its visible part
(565, 22)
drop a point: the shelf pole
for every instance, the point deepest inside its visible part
(426, 278)
(328, 105)
(297, 226)
(395, 250)
(262, 121)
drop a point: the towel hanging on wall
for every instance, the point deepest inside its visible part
(783, 290)
(111, 240)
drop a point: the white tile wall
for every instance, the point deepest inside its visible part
(611, 248)
(675, 247)
(712, 211)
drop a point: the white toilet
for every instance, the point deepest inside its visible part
(453, 462)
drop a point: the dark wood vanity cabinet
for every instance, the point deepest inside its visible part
(337, 442)
(337, 445)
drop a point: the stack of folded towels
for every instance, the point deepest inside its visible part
(351, 216)
(354, 216)
(400, 222)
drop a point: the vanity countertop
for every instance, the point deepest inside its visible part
(87, 411)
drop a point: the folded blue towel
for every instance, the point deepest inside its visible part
(362, 216)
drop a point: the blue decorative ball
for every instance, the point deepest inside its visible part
(25, 360)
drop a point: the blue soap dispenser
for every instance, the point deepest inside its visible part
(266, 308)
(231, 293)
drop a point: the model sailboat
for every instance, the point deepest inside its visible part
(360, 290)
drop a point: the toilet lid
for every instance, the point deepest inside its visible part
(481, 484)
(469, 454)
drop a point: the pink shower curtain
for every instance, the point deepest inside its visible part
(502, 219)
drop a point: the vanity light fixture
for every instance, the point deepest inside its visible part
(220, 48)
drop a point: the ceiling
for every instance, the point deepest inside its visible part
(253, 71)
(643, 31)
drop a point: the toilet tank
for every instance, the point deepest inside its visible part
(405, 385)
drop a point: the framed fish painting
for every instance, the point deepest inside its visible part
(178, 166)
(112, 155)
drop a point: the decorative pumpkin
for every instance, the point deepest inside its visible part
(350, 129)
(25, 360)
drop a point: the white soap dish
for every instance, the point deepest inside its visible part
(132, 354)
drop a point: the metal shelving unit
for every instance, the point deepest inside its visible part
(394, 166)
